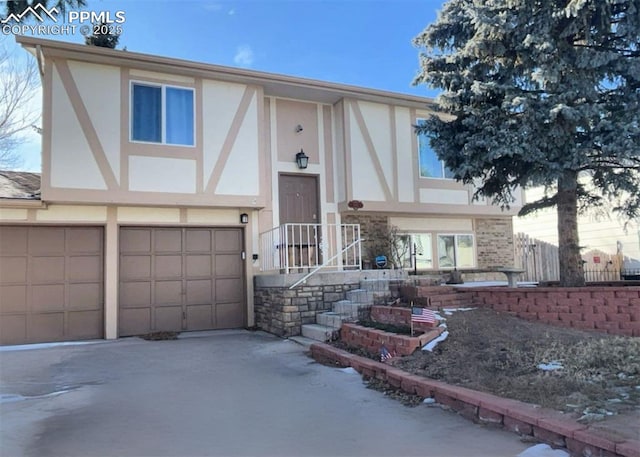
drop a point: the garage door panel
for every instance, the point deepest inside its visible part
(13, 299)
(228, 265)
(229, 315)
(195, 280)
(135, 321)
(86, 296)
(168, 266)
(200, 317)
(47, 297)
(46, 327)
(13, 240)
(135, 240)
(198, 265)
(14, 269)
(229, 290)
(84, 240)
(199, 291)
(13, 329)
(135, 266)
(85, 324)
(48, 274)
(168, 318)
(135, 294)
(228, 240)
(198, 240)
(168, 292)
(46, 240)
(168, 240)
(84, 268)
(48, 269)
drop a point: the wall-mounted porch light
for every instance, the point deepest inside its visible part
(302, 160)
(244, 218)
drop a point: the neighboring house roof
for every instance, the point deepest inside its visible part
(19, 184)
(274, 84)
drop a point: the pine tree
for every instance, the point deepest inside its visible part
(541, 93)
(103, 36)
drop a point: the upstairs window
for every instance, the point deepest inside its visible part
(430, 165)
(162, 114)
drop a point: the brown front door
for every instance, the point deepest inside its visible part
(298, 199)
(174, 279)
(299, 205)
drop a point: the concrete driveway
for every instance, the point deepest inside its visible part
(219, 393)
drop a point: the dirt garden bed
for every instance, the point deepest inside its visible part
(501, 354)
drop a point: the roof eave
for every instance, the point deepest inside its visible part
(274, 84)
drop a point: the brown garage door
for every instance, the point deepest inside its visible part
(174, 279)
(51, 284)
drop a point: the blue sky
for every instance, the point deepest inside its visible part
(361, 42)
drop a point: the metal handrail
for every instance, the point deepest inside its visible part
(324, 264)
(293, 246)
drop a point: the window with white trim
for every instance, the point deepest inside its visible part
(430, 165)
(455, 251)
(420, 245)
(162, 114)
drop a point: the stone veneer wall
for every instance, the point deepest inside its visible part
(494, 242)
(370, 224)
(283, 311)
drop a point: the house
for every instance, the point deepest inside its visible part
(168, 185)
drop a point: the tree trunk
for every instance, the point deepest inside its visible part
(571, 272)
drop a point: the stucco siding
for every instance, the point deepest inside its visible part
(243, 160)
(220, 104)
(404, 131)
(377, 121)
(156, 174)
(366, 185)
(454, 197)
(70, 151)
(98, 84)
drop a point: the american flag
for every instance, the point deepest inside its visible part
(423, 315)
(384, 354)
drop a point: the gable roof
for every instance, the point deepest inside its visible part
(276, 85)
(19, 185)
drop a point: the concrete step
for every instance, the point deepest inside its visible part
(367, 296)
(351, 310)
(318, 332)
(375, 285)
(359, 296)
(331, 319)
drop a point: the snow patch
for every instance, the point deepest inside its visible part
(450, 311)
(348, 370)
(26, 347)
(551, 366)
(543, 450)
(430, 346)
(11, 398)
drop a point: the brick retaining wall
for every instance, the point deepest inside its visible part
(523, 418)
(396, 315)
(372, 339)
(614, 310)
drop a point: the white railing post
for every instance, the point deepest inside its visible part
(293, 246)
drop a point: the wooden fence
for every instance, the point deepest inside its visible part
(538, 258)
